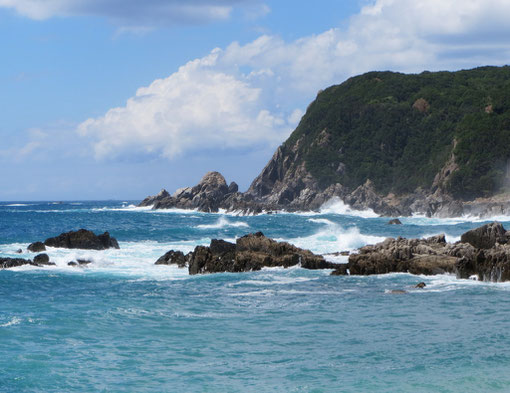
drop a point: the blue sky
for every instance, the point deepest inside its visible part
(117, 99)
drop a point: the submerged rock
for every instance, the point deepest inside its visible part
(250, 252)
(79, 262)
(395, 221)
(83, 239)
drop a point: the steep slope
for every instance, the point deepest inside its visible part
(392, 141)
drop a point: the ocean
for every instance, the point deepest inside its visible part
(123, 324)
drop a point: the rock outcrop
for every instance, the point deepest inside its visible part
(250, 252)
(39, 260)
(6, 263)
(42, 259)
(82, 239)
(209, 195)
(36, 247)
(483, 252)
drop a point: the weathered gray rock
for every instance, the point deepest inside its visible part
(83, 239)
(486, 236)
(484, 256)
(250, 252)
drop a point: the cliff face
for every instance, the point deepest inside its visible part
(433, 143)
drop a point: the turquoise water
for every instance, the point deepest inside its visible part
(125, 325)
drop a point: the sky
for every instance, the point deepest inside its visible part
(116, 99)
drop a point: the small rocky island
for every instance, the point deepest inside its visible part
(482, 253)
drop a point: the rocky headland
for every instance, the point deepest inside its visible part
(431, 144)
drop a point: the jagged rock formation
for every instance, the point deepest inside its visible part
(83, 239)
(209, 195)
(483, 252)
(433, 143)
(250, 252)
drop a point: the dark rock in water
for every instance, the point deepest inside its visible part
(6, 263)
(79, 262)
(486, 236)
(171, 258)
(341, 270)
(395, 221)
(485, 254)
(83, 239)
(250, 252)
(36, 247)
(42, 259)
(19, 251)
(420, 285)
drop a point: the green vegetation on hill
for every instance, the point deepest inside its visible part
(399, 130)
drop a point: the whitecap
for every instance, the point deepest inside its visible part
(336, 206)
(13, 321)
(334, 238)
(224, 223)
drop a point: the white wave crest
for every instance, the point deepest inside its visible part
(336, 206)
(334, 238)
(13, 321)
(224, 223)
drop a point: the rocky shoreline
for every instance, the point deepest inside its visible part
(213, 194)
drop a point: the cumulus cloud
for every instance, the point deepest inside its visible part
(129, 13)
(253, 93)
(198, 107)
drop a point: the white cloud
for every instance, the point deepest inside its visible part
(247, 94)
(198, 107)
(137, 13)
